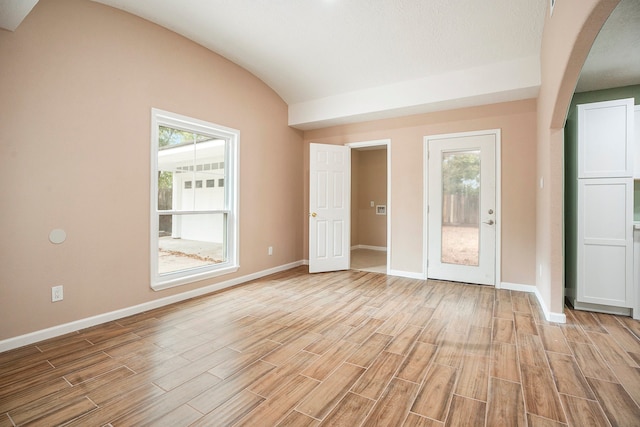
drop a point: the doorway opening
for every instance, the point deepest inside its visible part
(370, 207)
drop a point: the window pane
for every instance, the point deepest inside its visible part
(165, 190)
(190, 241)
(208, 156)
(186, 160)
(461, 207)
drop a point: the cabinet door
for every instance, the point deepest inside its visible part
(636, 144)
(605, 143)
(605, 241)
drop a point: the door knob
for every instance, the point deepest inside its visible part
(313, 214)
(490, 222)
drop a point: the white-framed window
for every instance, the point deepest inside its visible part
(194, 227)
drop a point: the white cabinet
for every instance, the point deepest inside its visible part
(636, 145)
(605, 143)
(605, 241)
(605, 279)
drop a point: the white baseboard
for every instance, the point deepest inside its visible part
(407, 274)
(550, 316)
(371, 248)
(518, 287)
(33, 337)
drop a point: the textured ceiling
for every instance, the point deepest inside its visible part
(310, 49)
(12, 12)
(614, 59)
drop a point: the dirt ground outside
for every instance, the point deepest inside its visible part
(182, 254)
(460, 245)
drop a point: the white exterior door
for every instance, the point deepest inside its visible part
(462, 211)
(329, 208)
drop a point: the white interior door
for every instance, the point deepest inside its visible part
(329, 208)
(462, 211)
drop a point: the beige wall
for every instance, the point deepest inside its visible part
(567, 39)
(372, 186)
(517, 120)
(77, 83)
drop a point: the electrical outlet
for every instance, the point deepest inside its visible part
(270, 250)
(56, 293)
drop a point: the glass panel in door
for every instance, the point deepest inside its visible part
(461, 207)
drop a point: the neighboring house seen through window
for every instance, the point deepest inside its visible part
(194, 222)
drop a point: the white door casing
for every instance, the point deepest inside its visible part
(329, 207)
(484, 269)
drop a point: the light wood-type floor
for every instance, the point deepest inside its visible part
(348, 348)
(369, 260)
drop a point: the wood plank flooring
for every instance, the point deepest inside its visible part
(349, 348)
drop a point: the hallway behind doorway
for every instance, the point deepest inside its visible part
(368, 209)
(369, 260)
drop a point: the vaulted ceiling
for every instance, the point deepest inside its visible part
(334, 61)
(340, 61)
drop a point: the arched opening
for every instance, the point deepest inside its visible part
(568, 36)
(611, 73)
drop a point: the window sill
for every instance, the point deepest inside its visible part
(183, 280)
